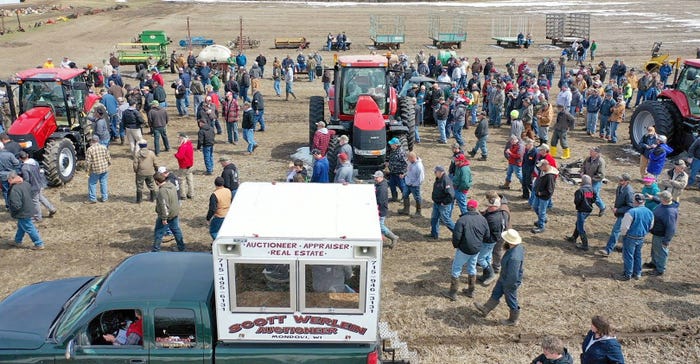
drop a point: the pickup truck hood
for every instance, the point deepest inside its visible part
(28, 313)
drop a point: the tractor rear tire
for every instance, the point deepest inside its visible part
(407, 114)
(682, 138)
(650, 113)
(403, 139)
(316, 114)
(332, 156)
(59, 161)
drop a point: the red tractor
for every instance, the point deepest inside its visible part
(367, 109)
(675, 113)
(53, 126)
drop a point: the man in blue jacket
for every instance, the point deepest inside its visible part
(636, 224)
(593, 104)
(320, 170)
(624, 197)
(665, 223)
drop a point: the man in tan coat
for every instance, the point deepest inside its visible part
(145, 167)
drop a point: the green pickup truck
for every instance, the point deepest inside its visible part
(67, 320)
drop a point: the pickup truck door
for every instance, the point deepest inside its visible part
(182, 335)
(106, 354)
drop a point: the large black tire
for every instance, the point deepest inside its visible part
(650, 113)
(59, 161)
(407, 113)
(332, 156)
(682, 137)
(316, 114)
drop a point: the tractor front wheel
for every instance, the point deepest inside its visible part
(59, 161)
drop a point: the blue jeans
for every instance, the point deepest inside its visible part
(105, 143)
(441, 124)
(659, 253)
(598, 201)
(540, 207)
(276, 86)
(232, 132)
(159, 133)
(461, 200)
(441, 213)
(495, 115)
(581, 222)
(114, 125)
(92, 186)
(514, 169)
(481, 145)
(214, 226)
(396, 181)
(614, 235)
(415, 190)
(197, 101)
(604, 127)
(460, 260)
(694, 169)
(457, 131)
(312, 74)
(613, 131)
(326, 87)
(25, 225)
(473, 121)
(5, 191)
(260, 118)
(249, 137)
(181, 108)
(208, 154)
(591, 122)
(174, 226)
(382, 226)
(640, 97)
(632, 256)
(511, 294)
(187, 97)
(486, 254)
(244, 93)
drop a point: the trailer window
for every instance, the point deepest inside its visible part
(333, 287)
(175, 328)
(259, 285)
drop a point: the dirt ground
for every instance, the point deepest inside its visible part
(658, 318)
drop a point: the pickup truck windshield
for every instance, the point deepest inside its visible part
(77, 306)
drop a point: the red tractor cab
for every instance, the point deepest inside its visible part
(675, 113)
(52, 125)
(364, 107)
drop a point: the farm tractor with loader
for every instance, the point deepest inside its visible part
(675, 113)
(364, 107)
(52, 125)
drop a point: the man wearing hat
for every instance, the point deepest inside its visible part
(514, 152)
(563, 124)
(543, 192)
(397, 165)
(624, 200)
(144, 168)
(617, 116)
(345, 147)
(100, 128)
(48, 63)
(320, 169)
(442, 112)
(158, 120)
(509, 280)
(98, 161)
(606, 108)
(230, 175)
(168, 210)
(584, 198)
(322, 137)
(219, 204)
(467, 237)
(636, 224)
(675, 180)
(481, 133)
(344, 170)
(185, 161)
(381, 192)
(657, 156)
(665, 224)
(594, 166)
(462, 182)
(205, 143)
(443, 198)
(110, 103)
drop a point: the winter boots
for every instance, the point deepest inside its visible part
(553, 151)
(418, 212)
(406, 207)
(488, 277)
(584, 243)
(567, 153)
(121, 140)
(452, 293)
(152, 197)
(505, 185)
(512, 318)
(393, 238)
(469, 291)
(486, 308)
(573, 237)
(139, 196)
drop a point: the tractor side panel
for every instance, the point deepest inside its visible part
(678, 98)
(331, 101)
(39, 122)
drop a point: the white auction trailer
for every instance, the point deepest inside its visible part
(299, 263)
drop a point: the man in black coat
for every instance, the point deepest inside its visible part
(543, 190)
(230, 175)
(468, 234)
(443, 196)
(22, 208)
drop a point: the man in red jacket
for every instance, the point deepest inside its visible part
(185, 161)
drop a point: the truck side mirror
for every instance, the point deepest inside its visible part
(70, 349)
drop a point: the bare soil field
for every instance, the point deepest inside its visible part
(658, 319)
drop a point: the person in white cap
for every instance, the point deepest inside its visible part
(674, 180)
(509, 280)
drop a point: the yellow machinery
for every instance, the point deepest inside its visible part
(657, 59)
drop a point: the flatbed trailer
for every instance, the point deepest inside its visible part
(444, 37)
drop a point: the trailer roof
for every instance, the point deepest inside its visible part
(50, 74)
(303, 210)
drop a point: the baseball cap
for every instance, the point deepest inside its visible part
(624, 177)
(439, 169)
(154, 103)
(316, 151)
(595, 149)
(542, 162)
(224, 159)
(378, 174)
(460, 158)
(514, 114)
(321, 124)
(182, 135)
(649, 178)
(473, 204)
(638, 198)
(162, 169)
(142, 143)
(343, 156)
(679, 162)
(394, 141)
